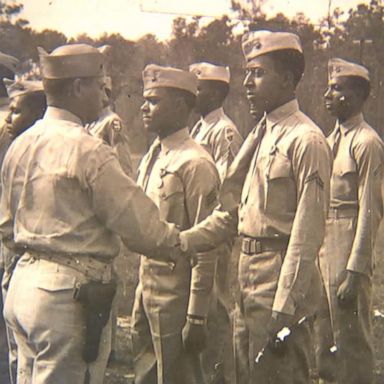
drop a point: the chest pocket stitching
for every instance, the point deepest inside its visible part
(347, 166)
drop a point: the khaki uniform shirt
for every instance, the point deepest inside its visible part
(356, 184)
(183, 182)
(217, 133)
(64, 191)
(110, 128)
(285, 194)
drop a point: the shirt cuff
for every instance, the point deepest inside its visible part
(284, 305)
(199, 304)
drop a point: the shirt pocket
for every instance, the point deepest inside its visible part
(345, 177)
(172, 203)
(280, 196)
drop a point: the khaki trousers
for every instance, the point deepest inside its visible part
(48, 325)
(352, 327)
(160, 358)
(258, 277)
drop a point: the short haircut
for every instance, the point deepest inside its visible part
(190, 98)
(289, 60)
(360, 85)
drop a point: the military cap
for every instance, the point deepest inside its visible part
(208, 71)
(72, 60)
(338, 67)
(257, 43)
(156, 76)
(22, 87)
(8, 61)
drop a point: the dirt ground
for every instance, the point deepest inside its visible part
(120, 372)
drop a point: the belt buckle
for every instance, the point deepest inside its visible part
(246, 246)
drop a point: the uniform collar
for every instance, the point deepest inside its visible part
(174, 140)
(61, 114)
(282, 113)
(350, 124)
(213, 116)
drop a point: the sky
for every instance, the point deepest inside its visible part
(135, 18)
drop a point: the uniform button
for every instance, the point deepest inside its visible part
(163, 195)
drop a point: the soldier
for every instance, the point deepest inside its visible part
(356, 208)
(216, 132)
(65, 204)
(8, 66)
(28, 104)
(278, 185)
(172, 302)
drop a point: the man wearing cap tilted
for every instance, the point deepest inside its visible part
(356, 208)
(275, 195)
(172, 301)
(217, 133)
(65, 204)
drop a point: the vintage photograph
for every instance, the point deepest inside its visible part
(191, 192)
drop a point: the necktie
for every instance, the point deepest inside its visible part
(231, 190)
(153, 154)
(196, 129)
(336, 142)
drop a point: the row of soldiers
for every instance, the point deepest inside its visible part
(306, 210)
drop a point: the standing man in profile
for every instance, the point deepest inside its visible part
(8, 65)
(65, 204)
(356, 208)
(172, 301)
(217, 133)
(275, 196)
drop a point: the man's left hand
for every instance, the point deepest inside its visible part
(347, 292)
(277, 322)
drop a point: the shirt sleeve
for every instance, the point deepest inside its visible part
(125, 209)
(368, 154)
(311, 164)
(226, 145)
(201, 186)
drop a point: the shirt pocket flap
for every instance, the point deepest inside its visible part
(170, 185)
(345, 166)
(56, 281)
(280, 167)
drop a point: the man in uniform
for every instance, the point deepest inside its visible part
(356, 208)
(28, 104)
(172, 302)
(65, 204)
(275, 195)
(217, 133)
(8, 66)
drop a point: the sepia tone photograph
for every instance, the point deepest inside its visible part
(191, 192)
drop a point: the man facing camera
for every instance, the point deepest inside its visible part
(172, 300)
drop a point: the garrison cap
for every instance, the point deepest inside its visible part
(156, 76)
(72, 60)
(338, 67)
(8, 61)
(22, 87)
(208, 71)
(257, 43)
